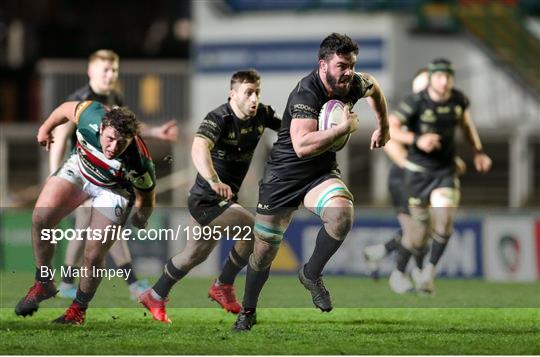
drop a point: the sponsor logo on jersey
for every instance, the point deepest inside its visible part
(428, 116)
(443, 110)
(459, 111)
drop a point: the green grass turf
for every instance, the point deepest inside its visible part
(369, 319)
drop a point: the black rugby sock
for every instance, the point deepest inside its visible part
(438, 247)
(325, 247)
(402, 258)
(419, 257)
(393, 243)
(166, 281)
(254, 283)
(83, 299)
(69, 278)
(45, 277)
(230, 268)
(128, 267)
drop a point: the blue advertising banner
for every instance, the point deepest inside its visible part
(300, 55)
(463, 256)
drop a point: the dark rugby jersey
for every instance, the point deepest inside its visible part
(234, 142)
(306, 101)
(422, 115)
(86, 93)
(133, 168)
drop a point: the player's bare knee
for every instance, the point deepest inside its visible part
(94, 257)
(338, 222)
(41, 219)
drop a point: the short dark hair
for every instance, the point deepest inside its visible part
(122, 120)
(338, 44)
(440, 65)
(245, 76)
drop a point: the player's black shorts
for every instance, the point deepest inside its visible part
(398, 191)
(421, 184)
(281, 196)
(205, 209)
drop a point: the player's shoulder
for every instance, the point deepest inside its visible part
(219, 111)
(458, 96)
(416, 98)
(310, 85)
(89, 110)
(364, 79)
(265, 110)
(81, 94)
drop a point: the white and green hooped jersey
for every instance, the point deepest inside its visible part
(134, 167)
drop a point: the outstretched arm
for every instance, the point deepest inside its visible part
(167, 131)
(61, 134)
(482, 162)
(143, 207)
(200, 154)
(377, 102)
(62, 114)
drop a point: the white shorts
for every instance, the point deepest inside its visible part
(114, 204)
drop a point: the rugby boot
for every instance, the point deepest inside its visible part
(374, 254)
(400, 283)
(74, 315)
(245, 321)
(427, 276)
(319, 294)
(225, 295)
(36, 294)
(155, 306)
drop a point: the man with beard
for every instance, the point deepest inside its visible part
(302, 169)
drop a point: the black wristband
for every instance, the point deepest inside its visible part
(415, 139)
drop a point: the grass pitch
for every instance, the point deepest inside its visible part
(465, 317)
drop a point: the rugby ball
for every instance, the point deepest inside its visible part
(329, 116)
